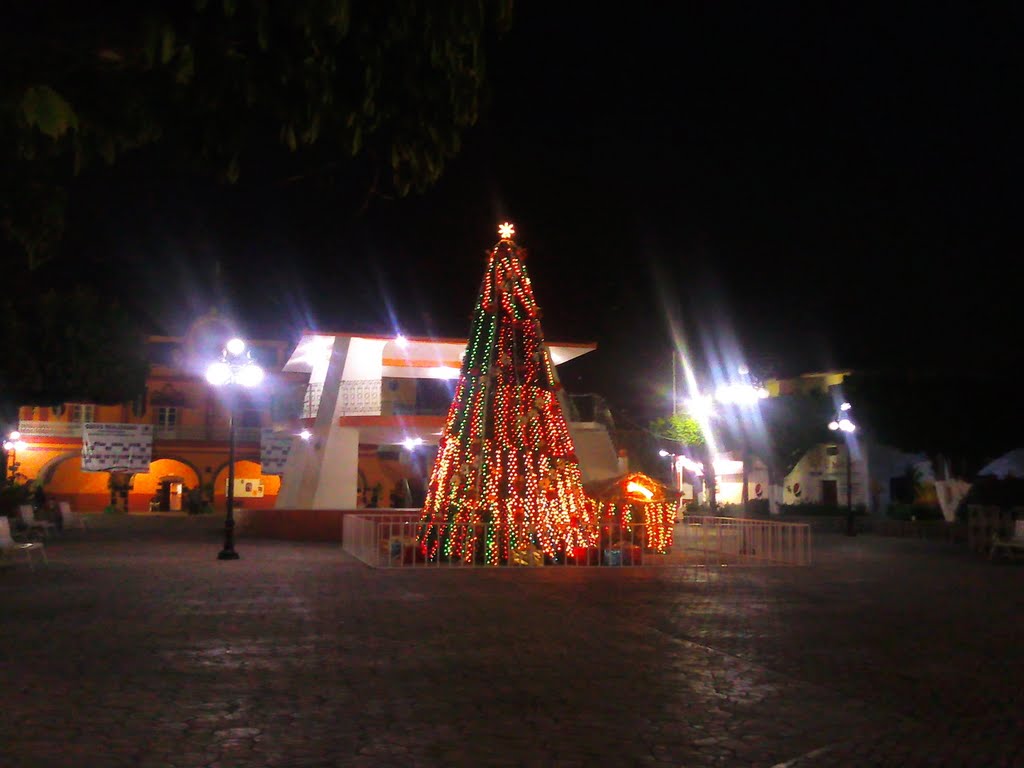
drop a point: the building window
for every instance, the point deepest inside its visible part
(166, 417)
(82, 413)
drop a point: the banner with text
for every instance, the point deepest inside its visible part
(117, 447)
(274, 448)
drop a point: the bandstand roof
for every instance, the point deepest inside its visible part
(412, 357)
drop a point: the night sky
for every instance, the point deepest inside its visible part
(819, 186)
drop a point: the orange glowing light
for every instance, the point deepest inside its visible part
(641, 490)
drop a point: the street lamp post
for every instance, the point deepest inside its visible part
(12, 445)
(235, 369)
(842, 422)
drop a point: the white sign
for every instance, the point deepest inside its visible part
(246, 487)
(120, 447)
(274, 448)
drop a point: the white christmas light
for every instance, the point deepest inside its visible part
(235, 347)
(845, 407)
(833, 425)
(15, 435)
(305, 434)
(411, 442)
(506, 230)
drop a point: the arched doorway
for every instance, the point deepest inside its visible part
(64, 480)
(253, 489)
(164, 488)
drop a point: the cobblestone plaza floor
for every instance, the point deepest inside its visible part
(136, 647)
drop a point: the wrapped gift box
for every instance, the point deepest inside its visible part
(586, 555)
(527, 556)
(623, 555)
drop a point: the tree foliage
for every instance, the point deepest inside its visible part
(679, 428)
(233, 87)
(67, 346)
(793, 424)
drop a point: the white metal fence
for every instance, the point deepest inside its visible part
(393, 540)
(741, 539)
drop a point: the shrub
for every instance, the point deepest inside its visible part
(815, 509)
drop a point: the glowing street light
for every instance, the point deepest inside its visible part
(12, 445)
(745, 394)
(700, 407)
(842, 422)
(235, 369)
(235, 347)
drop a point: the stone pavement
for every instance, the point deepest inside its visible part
(136, 647)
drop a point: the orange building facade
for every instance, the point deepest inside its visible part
(406, 396)
(190, 420)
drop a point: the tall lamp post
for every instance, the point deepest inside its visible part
(235, 369)
(842, 422)
(12, 445)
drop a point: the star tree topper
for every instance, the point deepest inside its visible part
(506, 230)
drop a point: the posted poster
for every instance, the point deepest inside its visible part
(274, 448)
(117, 447)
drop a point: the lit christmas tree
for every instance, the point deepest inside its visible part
(506, 484)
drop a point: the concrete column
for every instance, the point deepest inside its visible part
(307, 460)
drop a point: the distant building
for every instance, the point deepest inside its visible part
(805, 383)
(189, 429)
(879, 476)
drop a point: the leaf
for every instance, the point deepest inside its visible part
(262, 25)
(167, 44)
(340, 17)
(186, 65)
(45, 109)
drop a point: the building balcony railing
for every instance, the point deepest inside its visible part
(50, 428)
(211, 434)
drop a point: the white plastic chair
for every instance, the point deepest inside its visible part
(28, 519)
(70, 518)
(9, 545)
